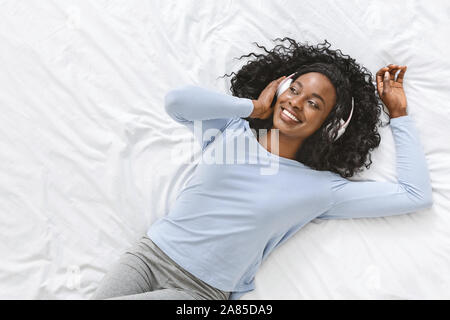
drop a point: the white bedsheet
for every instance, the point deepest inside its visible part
(85, 145)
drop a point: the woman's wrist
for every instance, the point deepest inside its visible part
(254, 113)
(396, 114)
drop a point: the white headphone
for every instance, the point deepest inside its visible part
(284, 85)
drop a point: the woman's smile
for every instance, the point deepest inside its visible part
(288, 117)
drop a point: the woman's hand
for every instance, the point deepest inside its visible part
(390, 91)
(262, 109)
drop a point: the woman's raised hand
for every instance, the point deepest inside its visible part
(391, 91)
(262, 109)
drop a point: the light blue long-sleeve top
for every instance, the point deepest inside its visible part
(230, 216)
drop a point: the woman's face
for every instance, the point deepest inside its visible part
(310, 98)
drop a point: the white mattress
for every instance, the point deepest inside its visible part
(85, 145)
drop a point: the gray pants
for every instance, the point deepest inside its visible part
(145, 272)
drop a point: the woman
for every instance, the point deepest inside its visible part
(230, 216)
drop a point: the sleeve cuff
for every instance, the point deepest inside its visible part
(400, 120)
(247, 107)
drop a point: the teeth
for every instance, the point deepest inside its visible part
(290, 115)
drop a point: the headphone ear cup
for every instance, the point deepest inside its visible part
(283, 86)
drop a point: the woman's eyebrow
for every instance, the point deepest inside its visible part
(313, 94)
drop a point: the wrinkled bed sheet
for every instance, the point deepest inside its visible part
(85, 144)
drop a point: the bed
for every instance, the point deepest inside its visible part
(86, 147)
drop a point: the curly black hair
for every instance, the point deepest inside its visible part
(351, 151)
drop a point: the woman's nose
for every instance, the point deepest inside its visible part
(297, 103)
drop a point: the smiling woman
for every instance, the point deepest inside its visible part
(229, 217)
(325, 81)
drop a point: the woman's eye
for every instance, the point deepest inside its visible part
(292, 89)
(314, 104)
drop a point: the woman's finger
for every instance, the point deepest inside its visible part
(394, 66)
(276, 81)
(379, 81)
(401, 75)
(386, 82)
(380, 75)
(392, 71)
